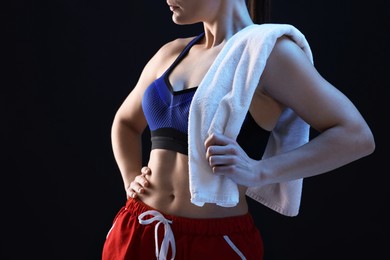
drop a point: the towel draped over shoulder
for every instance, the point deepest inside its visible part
(219, 105)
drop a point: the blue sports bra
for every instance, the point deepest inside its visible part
(166, 112)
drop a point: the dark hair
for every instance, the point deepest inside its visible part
(260, 10)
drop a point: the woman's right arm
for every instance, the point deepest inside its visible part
(126, 132)
(129, 123)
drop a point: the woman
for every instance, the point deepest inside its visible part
(160, 194)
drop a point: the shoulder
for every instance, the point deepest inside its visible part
(167, 53)
(286, 57)
(173, 48)
(289, 75)
(286, 48)
(175, 45)
(279, 38)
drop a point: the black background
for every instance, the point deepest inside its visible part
(72, 64)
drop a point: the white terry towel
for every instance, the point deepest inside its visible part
(220, 105)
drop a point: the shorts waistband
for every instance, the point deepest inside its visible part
(198, 226)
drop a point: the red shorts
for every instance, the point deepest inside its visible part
(141, 232)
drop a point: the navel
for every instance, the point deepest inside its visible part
(172, 197)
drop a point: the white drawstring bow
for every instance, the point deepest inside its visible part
(169, 239)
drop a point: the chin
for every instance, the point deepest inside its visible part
(182, 21)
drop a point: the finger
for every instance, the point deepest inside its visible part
(131, 193)
(229, 150)
(136, 187)
(216, 139)
(145, 170)
(141, 180)
(223, 170)
(216, 150)
(219, 160)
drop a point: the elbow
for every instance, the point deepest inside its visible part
(369, 143)
(116, 123)
(366, 141)
(121, 124)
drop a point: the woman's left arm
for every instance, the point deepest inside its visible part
(291, 79)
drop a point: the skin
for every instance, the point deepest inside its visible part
(289, 79)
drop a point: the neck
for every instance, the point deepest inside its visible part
(219, 30)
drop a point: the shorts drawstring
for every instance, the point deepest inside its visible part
(161, 253)
(234, 247)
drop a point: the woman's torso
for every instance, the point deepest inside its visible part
(166, 103)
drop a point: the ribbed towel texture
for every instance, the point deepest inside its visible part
(219, 105)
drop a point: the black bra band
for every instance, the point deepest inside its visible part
(169, 139)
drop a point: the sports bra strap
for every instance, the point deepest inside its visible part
(183, 53)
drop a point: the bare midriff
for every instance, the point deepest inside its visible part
(168, 189)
